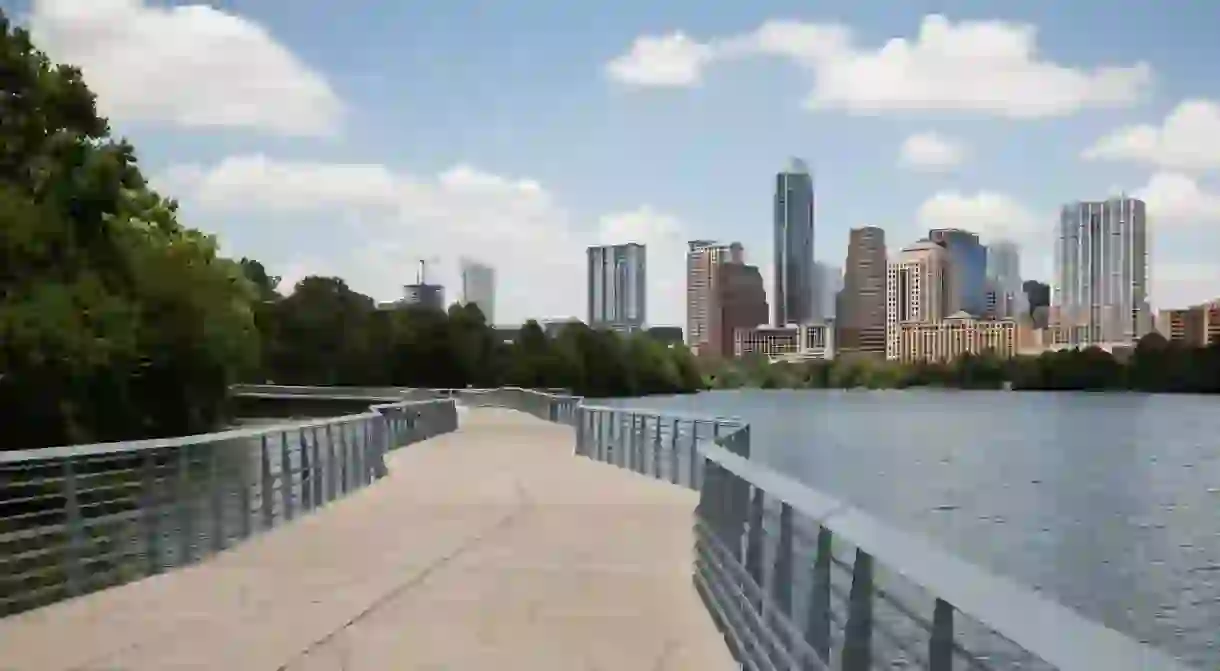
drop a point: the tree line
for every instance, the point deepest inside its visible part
(1156, 366)
(118, 322)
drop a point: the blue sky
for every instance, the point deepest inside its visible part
(355, 142)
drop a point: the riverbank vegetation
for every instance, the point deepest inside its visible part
(1155, 366)
(118, 322)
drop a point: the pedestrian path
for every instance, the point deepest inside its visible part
(491, 547)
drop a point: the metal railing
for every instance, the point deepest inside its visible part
(82, 518)
(798, 580)
(551, 405)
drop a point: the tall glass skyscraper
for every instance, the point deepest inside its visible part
(1004, 275)
(968, 273)
(1101, 272)
(795, 295)
(617, 287)
(479, 287)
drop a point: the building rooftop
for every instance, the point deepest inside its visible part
(797, 166)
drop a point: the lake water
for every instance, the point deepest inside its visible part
(1108, 502)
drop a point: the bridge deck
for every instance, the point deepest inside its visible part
(489, 548)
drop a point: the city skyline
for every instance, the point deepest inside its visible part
(673, 123)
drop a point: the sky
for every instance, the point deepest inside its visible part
(356, 138)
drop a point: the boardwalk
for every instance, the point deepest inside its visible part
(489, 548)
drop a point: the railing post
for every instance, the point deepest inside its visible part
(215, 489)
(286, 483)
(817, 622)
(318, 472)
(341, 429)
(674, 466)
(755, 539)
(781, 575)
(694, 454)
(357, 458)
(940, 645)
(267, 493)
(74, 524)
(243, 499)
(149, 514)
(307, 475)
(858, 634)
(332, 470)
(656, 447)
(186, 525)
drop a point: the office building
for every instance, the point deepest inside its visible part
(479, 287)
(740, 302)
(787, 343)
(617, 287)
(862, 308)
(917, 289)
(421, 294)
(950, 338)
(968, 282)
(828, 280)
(1196, 326)
(1100, 290)
(794, 297)
(1004, 280)
(703, 260)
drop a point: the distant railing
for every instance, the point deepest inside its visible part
(798, 580)
(81, 518)
(551, 405)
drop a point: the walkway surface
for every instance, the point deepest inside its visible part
(489, 548)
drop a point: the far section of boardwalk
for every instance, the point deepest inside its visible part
(489, 548)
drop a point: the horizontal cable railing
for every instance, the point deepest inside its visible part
(81, 518)
(798, 580)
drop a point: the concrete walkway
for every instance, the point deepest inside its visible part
(489, 548)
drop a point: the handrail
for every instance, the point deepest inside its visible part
(75, 519)
(1055, 633)
(749, 516)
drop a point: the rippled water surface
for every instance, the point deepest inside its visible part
(1110, 502)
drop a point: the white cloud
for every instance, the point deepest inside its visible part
(988, 213)
(667, 60)
(1175, 199)
(1177, 285)
(931, 152)
(1187, 139)
(190, 65)
(980, 67)
(516, 225)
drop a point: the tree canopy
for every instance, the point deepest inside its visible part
(1155, 366)
(324, 333)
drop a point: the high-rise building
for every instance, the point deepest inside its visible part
(828, 280)
(861, 318)
(917, 290)
(421, 294)
(479, 287)
(794, 296)
(1004, 279)
(617, 287)
(968, 291)
(740, 303)
(1100, 293)
(703, 259)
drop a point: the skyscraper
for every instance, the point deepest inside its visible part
(1004, 275)
(479, 287)
(703, 259)
(741, 302)
(917, 289)
(1101, 272)
(861, 321)
(794, 298)
(617, 287)
(968, 278)
(828, 281)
